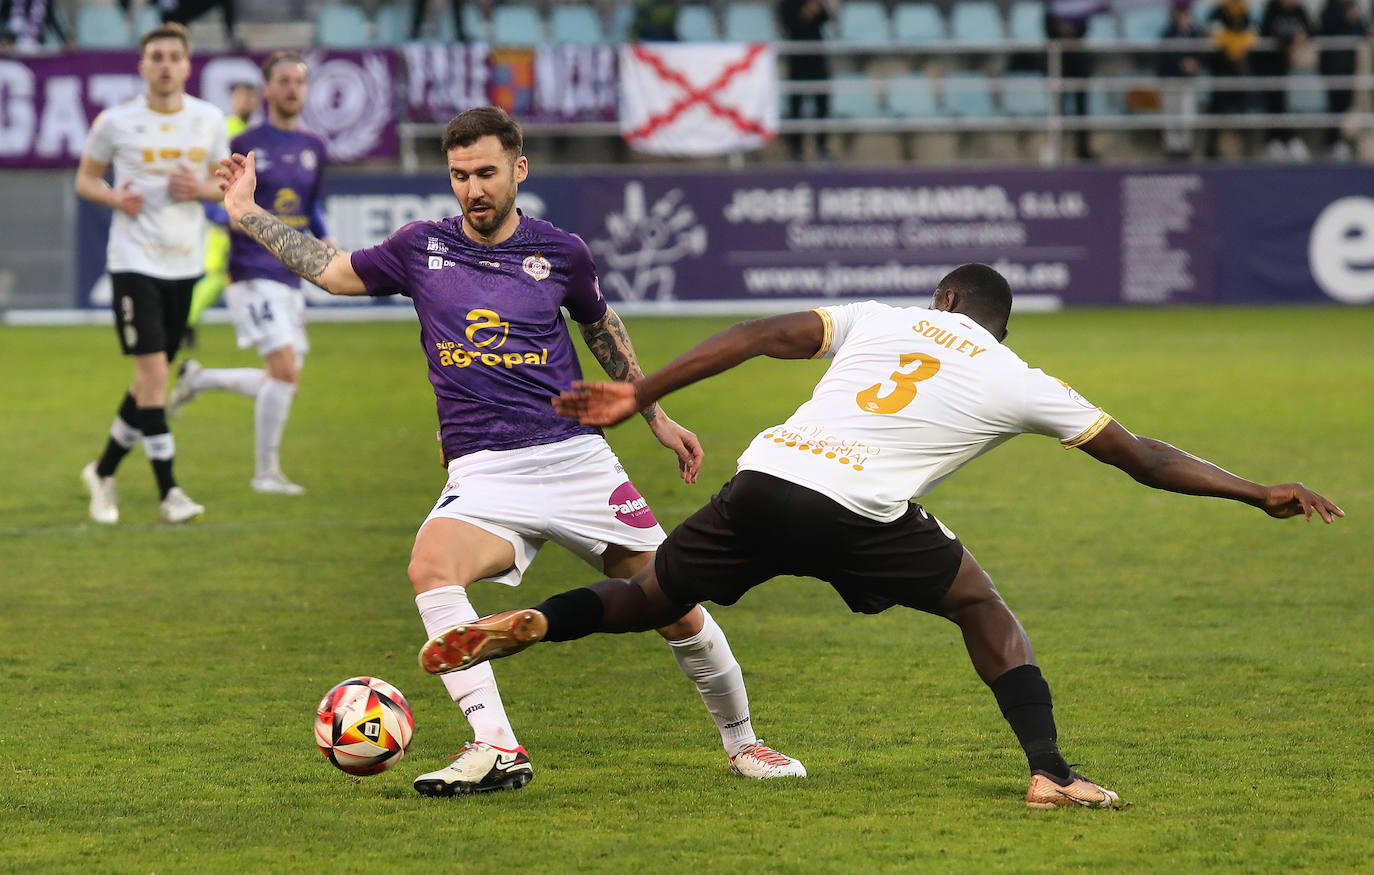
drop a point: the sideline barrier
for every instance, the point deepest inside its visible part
(769, 241)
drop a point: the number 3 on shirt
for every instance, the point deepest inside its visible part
(905, 391)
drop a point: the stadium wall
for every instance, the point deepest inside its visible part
(764, 241)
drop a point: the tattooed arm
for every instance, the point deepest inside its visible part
(320, 262)
(610, 343)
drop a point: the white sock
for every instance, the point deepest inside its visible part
(474, 689)
(245, 381)
(269, 418)
(706, 659)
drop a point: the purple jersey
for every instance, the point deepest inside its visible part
(490, 325)
(290, 169)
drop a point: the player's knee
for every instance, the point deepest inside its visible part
(426, 574)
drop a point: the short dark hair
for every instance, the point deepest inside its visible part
(277, 58)
(981, 293)
(167, 30)
(471, 126)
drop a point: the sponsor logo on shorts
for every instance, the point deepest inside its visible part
(631, 508)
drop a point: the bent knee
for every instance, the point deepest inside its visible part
(426, 574)
(971, 587)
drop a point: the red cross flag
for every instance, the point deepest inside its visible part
(698, 99)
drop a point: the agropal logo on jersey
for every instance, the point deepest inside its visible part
(631, 508)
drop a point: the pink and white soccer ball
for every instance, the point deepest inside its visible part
(363, 725)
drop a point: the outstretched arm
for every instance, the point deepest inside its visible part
(315, 260)
(791, 336)
(1157, 464)
(610, 343)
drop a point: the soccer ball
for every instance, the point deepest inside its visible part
(363, 725)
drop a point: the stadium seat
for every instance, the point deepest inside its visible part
(864, 21)
(621, 16)
(1305, 93)
(912, 96)
(1027, 21)
(102, 27)
(1102, 28)
(916, 23)
(1025, 95)
(516, 25)
(854, 96)
(696, 24)
(1144, 23)
(968, 95)
(575, 24)
(441, 24)
(975, 21)
(391, 25)
(341, 25)
(147, 18)
(750, 23)
(1103, 100)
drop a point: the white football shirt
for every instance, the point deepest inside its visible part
(912, 395)
(146, 146)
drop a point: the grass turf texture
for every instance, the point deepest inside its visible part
(1209, 663)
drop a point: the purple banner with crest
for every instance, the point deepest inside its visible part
(47, 104)
(548, 84)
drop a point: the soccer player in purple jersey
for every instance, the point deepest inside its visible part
(489, 287)
(265, 298)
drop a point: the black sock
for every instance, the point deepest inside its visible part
(114, 450)
(157, 442)
(573, 614)
(1024, 698)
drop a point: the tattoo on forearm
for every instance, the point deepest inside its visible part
(302, 254)
(610, 343)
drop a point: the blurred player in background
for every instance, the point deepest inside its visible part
(161, 145)
(911, 395)
(265, 299)
(243, 102)
(488, 287)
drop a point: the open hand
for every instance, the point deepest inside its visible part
(597, 403)
(238, 179)
(1290, 499)
(682, 442)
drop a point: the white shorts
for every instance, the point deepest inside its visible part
(267, 315)
(574, 493)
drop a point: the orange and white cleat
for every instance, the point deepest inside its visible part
(1047, 792)
(482, 639)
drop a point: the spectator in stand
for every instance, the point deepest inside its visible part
(801, 21)
(1340, 18)
(1287, 22)
(1068, 20)
(417, 19)
(1234, 37)
(655, 21)
(1179, 68)
(25, 23)
(187, 11)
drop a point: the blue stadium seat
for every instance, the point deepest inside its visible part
(575, 24)
(391, 25)
(147, 18)
(1106, 101)
(968, 94)
(1027, 21)
(441, 22)
(912, 96)
(1144, 23)
(102, 27)
(750, 23)
(696, 24)
(1025, 95)
(341, 25)
(864, 21)
(622, 14)
(1102, 28)
(917, 23)
(516, 25)
(854, 96)
(1305, 93)
(975, 21)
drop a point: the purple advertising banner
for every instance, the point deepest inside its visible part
(548, 84)
(47, 104)
(769, 241)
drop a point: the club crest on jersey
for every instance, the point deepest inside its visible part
(537, 266)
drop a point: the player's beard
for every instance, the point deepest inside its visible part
(500, 212)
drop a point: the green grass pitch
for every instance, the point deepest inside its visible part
(1212, 665)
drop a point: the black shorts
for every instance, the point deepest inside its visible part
(150, 313)
(759, 526)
